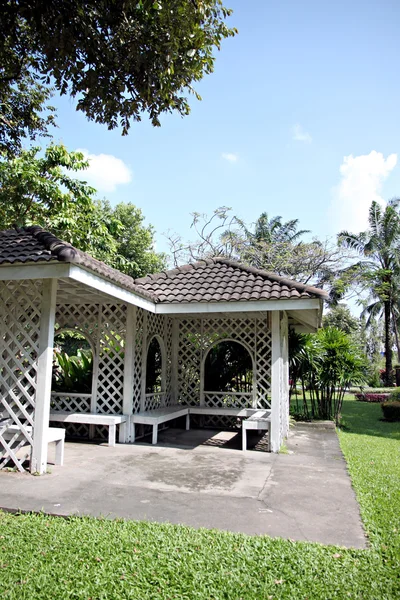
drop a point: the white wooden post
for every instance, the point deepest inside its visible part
(276, 366)
(125, 433)
(174, 360)
(285, 374)
(44, 372)
(144, 363)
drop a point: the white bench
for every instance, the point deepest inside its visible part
(261, 421)
(54, 434)
(157, 416)
(110, 421)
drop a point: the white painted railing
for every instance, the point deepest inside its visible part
(154, 400)
(70, 402)
(228, 399)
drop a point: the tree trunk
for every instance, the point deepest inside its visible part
(396, 335)
(388, 347)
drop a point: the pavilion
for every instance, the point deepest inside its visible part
(48, 286)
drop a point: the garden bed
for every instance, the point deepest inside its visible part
(372, 397)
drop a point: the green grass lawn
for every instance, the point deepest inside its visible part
(45, 557)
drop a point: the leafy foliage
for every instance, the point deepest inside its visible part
(154, 381)
(39, 189)
(379, 269)
(270, 244)
(119, 59)
(391, 410)
(73, 373)
(134, 241)
(326, 363)
(228, 368)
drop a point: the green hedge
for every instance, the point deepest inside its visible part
(391, 411)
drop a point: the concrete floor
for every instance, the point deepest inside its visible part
(202, 478)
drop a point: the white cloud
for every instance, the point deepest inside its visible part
(105, 171)
(361, 182)
(230, 157)
(300, 135)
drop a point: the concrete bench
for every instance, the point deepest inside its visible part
(110, 421)
(157, 416)
(54, 434)
(259, 420)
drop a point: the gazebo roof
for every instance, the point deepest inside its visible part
(211, 280)
(219, 279)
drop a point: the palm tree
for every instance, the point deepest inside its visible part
(274, 230)
(380, 265)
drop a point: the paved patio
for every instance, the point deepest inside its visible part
(202, 478)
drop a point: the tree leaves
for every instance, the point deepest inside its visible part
(120, 60)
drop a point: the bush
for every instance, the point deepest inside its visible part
(391, 411)
(368, 397)
(395, 395)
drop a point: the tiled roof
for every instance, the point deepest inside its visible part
(222, 280)
(34, 244)
(211, 280)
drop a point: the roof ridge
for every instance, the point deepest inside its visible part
(272, 276)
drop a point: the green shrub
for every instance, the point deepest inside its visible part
(391, 411)
(394, 395)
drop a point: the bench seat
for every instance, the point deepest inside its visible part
(110, 421)
(157, 416)
(259, 420)
(54, 434)
(255, 418)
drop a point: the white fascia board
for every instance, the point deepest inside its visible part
(34, 271)
(96, 282)
(234, 307)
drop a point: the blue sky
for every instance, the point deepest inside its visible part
(300, 119)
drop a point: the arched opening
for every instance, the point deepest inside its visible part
(228, 367)
(155, 367)
(73, 362)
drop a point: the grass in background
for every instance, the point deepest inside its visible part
(82, 558)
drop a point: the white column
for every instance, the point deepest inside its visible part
(44, 372)
(285, 373)
(174, 360)
(144, 362)
(125, 434)
(276, 365)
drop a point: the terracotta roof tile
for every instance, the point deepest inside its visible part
(210, 280)
(219, 279)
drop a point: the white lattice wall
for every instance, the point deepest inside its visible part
(161, 327)
(104, 325)
(20, 307)
(197, 335)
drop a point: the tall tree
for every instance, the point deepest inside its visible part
(41, 190)
(379, 268)
(270, 244)
(119, 59)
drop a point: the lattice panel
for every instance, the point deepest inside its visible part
(168, 350)
(189, 359)
(20, 306)
(82, 317)
(227, 400)
(153, 401)
(195, 338)
(263, 362)
(70, 402)
(111, 359)
(137, 378)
